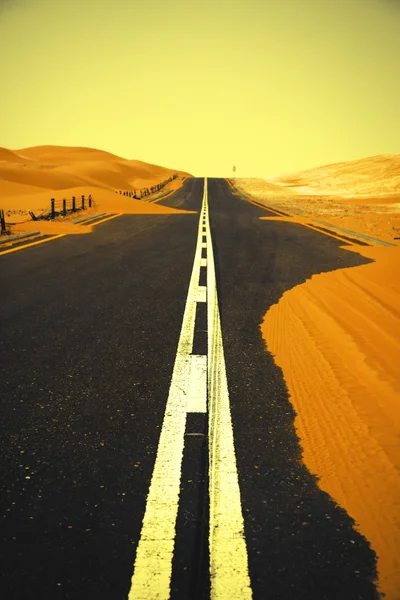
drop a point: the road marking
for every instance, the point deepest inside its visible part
(151, 577)
(106, 219)
(163, 197)
(197, 391)
(276, 212)
(195, 379)
(228, 553)
(54, 237)
(199, 294)
(32, 244)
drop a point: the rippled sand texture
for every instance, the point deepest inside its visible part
(337, 339)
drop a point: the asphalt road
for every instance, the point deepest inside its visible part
(89, 331)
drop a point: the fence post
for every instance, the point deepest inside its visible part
(83, 202)
(3, 222)
(64, 207)
(90, 200)
(52, 208)
(73, 204)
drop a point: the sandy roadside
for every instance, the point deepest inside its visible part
(18, 220)
(375, 216)
(31, 177)
(336, 338)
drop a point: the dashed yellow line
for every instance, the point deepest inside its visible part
(151, 579)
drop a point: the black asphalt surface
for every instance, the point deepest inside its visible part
(89, 331)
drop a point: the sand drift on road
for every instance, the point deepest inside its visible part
(30, 177)
(337, 339)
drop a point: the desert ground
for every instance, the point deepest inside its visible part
(337, 339)
(336, 336)
(30, 177)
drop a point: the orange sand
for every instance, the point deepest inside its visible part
(337, 339)
(29, 178)
(361, 195)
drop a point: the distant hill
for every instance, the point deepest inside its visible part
(376, 175)
(63, 167)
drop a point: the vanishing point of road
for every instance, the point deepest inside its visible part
(148, 447)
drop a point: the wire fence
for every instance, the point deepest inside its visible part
(3, 228)
(63, 207)
(142, 193)
(72, 205)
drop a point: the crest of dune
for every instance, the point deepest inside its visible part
(373, 176)
(30, 177)
(62, 167)
(32, 170)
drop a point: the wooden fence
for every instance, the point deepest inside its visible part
(2, 223)
(68, 205)
(138, 194)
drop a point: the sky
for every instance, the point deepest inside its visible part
(268, 86)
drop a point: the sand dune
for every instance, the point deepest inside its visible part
(59, 167)
(362, 195)
(10, 156)
(30, 177)
(377, 176)
(342, 367)
(337, 339)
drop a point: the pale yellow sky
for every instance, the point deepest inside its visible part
(270, 86)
